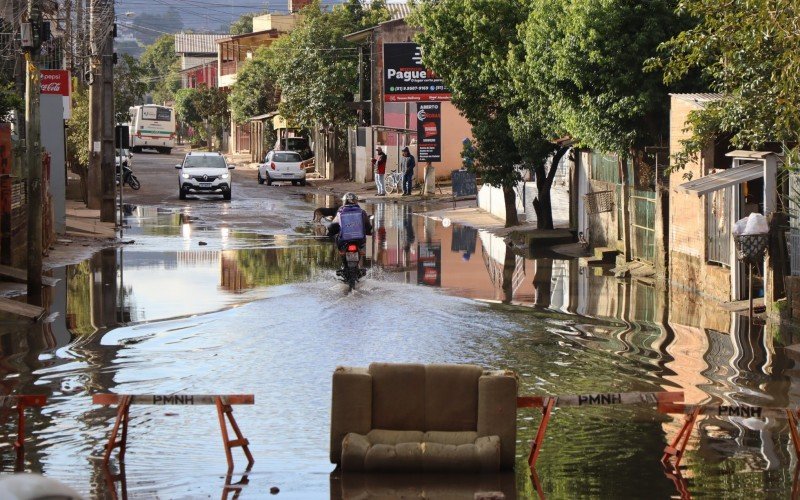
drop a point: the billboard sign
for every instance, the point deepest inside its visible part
(405, 79)
(429, 131)
(429, 263)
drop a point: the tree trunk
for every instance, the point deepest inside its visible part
(510, 197)
(509, 266)
(542, 204)
(542, 282)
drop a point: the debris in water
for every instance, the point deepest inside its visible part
(274, 490)
(202, 243)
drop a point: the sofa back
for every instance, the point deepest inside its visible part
(416, 397)
(425, 397)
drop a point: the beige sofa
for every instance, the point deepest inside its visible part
(423, 418)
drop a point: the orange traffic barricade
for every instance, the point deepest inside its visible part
(21, 402)
(674, 452)
(547, 403)
(223, 402)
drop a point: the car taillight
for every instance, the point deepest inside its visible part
(272, 165)
(352, 248)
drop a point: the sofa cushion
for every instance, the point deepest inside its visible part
(451, 397)
(398, 396)
(405, 451)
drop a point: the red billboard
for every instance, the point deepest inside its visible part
(55, 81)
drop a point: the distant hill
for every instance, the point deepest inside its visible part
(153, 18)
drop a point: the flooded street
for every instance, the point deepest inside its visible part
(255, 310)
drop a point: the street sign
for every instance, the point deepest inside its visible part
(405, 79)
(429, 131)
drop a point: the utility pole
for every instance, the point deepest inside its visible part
(68, 54)
(101, 110)
(34, 164)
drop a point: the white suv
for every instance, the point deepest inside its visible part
(204, 173)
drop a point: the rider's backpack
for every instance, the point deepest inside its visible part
(352, 224)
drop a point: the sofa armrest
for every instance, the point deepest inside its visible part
(497, 412)
(351, 408)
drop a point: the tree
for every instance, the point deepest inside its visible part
(467, 43)
(316, 69)
(750, 54)
(9, 100)
(161, 67)
(255, 91)
(78, 134)
(203, 106)
(586, 58)
(129, 87)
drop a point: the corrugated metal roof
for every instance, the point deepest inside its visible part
(398, 10)
(723, 179)
(195, 43)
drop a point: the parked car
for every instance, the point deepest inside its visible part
(282, 166)
(204, 173)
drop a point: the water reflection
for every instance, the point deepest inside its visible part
(249, 312)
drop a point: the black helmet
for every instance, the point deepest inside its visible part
(350, 199)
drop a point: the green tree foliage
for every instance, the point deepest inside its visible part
(78, 131)
(316, 69)
(203, 107)
(468, 43)
(586, 58)
(254, 92)
(161, 67)
(129, 87)
(750, 53)
(9, 100)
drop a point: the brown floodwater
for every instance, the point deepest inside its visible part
(251, 312)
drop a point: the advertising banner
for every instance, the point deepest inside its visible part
(429, 131)
(58, 82)
(429, 263)
(405, 79)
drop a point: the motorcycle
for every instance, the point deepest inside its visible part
(129, 178)
(351, 270)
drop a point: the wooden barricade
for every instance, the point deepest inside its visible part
(547, 403)
(222, 402)
(676, 449)
(22, 401)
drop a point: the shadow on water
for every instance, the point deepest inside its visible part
(265, 314)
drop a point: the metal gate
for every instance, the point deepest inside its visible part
(643, 220)
(718, 227)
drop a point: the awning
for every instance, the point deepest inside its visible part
(723, 179)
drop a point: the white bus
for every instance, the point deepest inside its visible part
(152, 127)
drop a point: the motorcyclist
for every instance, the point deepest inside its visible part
(351, 224)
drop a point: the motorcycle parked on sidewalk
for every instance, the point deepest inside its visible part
(129, 178)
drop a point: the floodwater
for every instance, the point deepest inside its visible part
(250, 312)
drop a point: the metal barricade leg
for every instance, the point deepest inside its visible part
(536, 445)
(225, 410)
(19, 444)
(123, 414)
(678, 446)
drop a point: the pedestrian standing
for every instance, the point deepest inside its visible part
(408, 164)
(379, 163)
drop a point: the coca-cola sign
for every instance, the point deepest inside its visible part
(55, 81)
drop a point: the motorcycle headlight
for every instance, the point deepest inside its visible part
(224, 176)
(185, 176)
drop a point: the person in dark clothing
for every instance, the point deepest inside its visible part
(408, 163)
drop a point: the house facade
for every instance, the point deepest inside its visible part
(198, 57)
(391, 121)
(234, 51)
